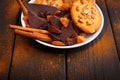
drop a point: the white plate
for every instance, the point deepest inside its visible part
(88, 38)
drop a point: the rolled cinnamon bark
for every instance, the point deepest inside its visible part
(34, 35)
(23, 8)
(29, 29)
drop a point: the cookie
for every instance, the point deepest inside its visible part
(68, 2)
(86, 16)
(55, 3)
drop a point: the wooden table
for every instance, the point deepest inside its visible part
(22, 58)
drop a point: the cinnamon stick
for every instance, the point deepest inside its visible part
(23, 8)
(29, 29)
(34, 35)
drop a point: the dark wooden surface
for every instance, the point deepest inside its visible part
(22, 58)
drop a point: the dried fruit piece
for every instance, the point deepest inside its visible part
(54, 29)
(58, 43)
(56, 13)
(64, 21)
(80, 39)
(48, 17)
(25, 18)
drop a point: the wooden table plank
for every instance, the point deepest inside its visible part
(8, 15)
(97, 60)
(32, 61)
(114, 14)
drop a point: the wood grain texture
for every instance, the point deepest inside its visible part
(25, 59)
(32, 61)
(8, 15)
(114, 14)
(97, 60)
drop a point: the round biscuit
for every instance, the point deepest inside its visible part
(86, 16)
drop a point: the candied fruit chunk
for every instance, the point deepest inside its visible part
(80, 39)
(54, 29)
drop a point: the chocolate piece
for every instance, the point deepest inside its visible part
(38, 18)
(68, 34)
(35, 21)
(44, 26)
(63, 12)
(55, 21)
(55, 37)
(71, 41)
(36, 8)
(43, 15)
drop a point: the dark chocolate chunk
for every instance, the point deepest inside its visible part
(63, 12)
(55, 37)
(36, 8)
(43, 15)
(35, 21)
(71, 41)
(44, 26)
(67, 33)
(55, 21)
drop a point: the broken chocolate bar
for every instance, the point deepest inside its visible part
(35, 21)
(36, 8)
(68, 33)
